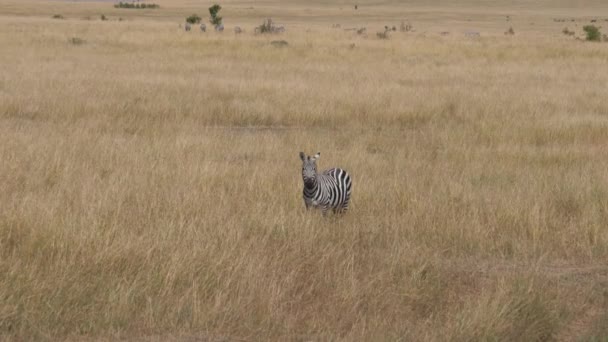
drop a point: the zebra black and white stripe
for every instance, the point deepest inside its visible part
(330, 189)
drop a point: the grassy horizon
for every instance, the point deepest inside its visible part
(151, 185)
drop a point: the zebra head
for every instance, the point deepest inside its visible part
(309, 168)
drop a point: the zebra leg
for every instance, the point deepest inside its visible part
(344, 206)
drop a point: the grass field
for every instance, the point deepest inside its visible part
(151, 183)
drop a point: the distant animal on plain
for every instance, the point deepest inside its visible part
(330, 189)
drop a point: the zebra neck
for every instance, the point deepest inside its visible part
(311, 186)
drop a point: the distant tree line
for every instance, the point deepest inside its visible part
(132, 5)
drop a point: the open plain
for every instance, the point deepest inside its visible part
(150, 184)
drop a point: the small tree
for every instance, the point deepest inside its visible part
(384, 35)
(266, 27)
(215, 19)
(193, 19)
(593, 33)
(405, 27)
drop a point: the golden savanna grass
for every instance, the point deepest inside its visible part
(151, 184)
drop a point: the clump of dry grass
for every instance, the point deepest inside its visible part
(151, 185)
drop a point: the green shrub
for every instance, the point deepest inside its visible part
(593, 33)
(279, 43)
(131, 5)
(567, 32)
(76, 41)
(405, 27)
(383, 35)
(215, 19)
(103, 17)
(193, 19)
(268, 26)
(57, 16)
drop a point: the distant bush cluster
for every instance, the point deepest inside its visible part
(132, 5)
(567, 32)
(279, 43)
(76, 41)
(406, 27)
(215, 19)
(268, 26)
(193, 19)
(593, 33)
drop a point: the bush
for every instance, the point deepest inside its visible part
(383, 35)
(593, 33)
(76, 41)
(131, 5)
(405, 27)
(510, 31)
(215, 19)
(567, 32)
(268, 26)
(193, 19)
(57, 16)
(279, 43)
(103, 17)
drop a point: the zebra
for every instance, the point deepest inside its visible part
(219, 28)
(187, 27)
(237, 30)
(329, 189)
(203, 28)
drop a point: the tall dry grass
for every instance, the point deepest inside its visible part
(151, 184)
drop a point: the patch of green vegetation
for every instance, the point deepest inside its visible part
(137, 6)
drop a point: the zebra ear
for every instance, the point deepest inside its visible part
(317, 156)
(302, 156)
